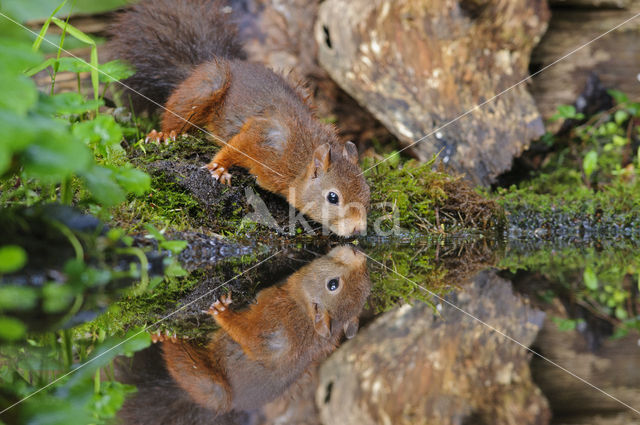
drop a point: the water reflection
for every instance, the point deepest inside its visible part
(258, 352)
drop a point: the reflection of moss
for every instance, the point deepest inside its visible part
(144, 309)
(172, 293)
(428, 200)
(602, 280)
(438, 265)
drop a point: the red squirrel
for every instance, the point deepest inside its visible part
(188, 58)
(259, 351)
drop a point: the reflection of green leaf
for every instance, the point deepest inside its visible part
(590, 279)
(135, 341)
(57, 297)
(590, 163)
(567, 112)
(155, 232)
(175, 246)
(11, 329)
(12, 258)
(621, 116)
(14, 297)
(565, 325)
(109, 399)
(621, 313)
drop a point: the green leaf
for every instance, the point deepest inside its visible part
(133, 180)
(16, 58)
(45, 26)
(590, 163)
(621, 116)
(19, 94)
(618, 96)
(620, 141)
(11, 329)
(103, 132)
(103, 187)
(5, 158)
(73, 64)
(55, 157)
(564, 325)
(73, 31)
(115, 71)
(154, 232)
(67, 103)
(12, 258)
(590, 279)
(44, 65)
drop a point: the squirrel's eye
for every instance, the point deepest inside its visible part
(332, 197)
(333, 284)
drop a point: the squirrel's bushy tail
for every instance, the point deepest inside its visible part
(165, 40)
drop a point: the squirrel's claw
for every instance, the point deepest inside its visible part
(160, 137)
(220, 305)
(158, 336)
(219, 173)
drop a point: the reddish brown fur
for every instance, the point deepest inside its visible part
(264, 122)
(260, 351)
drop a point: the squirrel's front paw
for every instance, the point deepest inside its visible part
(218, 173)
(160, 137)
(220, 305)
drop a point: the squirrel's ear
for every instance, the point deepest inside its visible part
(321, 160)
(351, 328)
(322, 321)
(350, 152)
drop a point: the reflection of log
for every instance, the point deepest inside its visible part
(410, 367)
(418, 64)
(615, 57)
(614, 368)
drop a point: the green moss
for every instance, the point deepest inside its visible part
(589, 183)
(417, 196)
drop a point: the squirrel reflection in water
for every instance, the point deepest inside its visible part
(258, 352)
